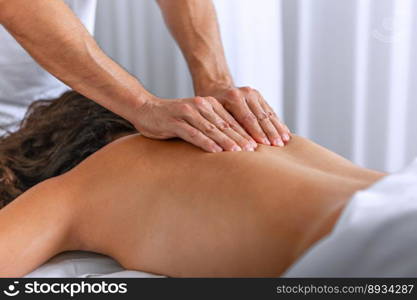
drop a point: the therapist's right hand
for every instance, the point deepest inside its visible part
(202, 121)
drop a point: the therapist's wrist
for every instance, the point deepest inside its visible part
(142, 100)
(212, 88)
(208, 81)
(207, 88)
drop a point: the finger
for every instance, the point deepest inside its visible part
(274, 138)
(210, 130)
(280, 127)
(287, 129)
(283, 130)
(242, 113)
(233, 129)
(192, 135)
(226, 128)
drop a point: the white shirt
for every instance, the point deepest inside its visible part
(22, 80)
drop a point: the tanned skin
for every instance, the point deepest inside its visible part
(170, 208)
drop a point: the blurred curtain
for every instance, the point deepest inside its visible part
(350, 77)
(339, 72)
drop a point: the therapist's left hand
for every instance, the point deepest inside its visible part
(251, 110)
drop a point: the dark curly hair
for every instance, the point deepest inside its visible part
(54, 136)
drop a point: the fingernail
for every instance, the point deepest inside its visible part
(286, 137)
(266, 141)
(248, 147)
(217, 149)
(236, 148)
(277, 142)
(254, 144)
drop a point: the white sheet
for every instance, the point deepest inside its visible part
(376, 236)
(84, 264)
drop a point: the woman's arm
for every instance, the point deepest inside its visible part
(35, 227)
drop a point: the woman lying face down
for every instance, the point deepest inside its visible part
(163, 207)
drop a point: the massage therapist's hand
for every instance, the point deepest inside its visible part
(202, 121)
(251, 110)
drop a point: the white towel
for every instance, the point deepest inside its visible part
(376, 235)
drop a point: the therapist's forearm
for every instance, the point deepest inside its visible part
(193, 24)
(58, 41)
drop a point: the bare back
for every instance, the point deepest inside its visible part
(170, 208)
